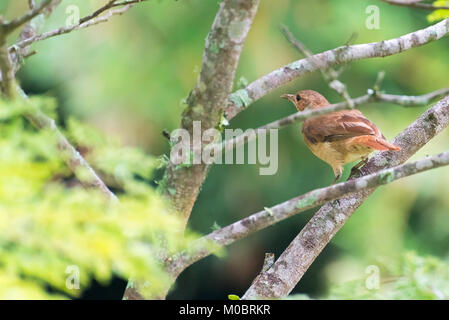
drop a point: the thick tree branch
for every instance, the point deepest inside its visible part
(275, 79)
(415, 4)
(207, 101)
(279, 280)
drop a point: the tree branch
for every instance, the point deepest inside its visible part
(414, 4)
(207, 101)
(277, 78)
(279, 280)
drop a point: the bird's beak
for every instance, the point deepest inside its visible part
(290, 97)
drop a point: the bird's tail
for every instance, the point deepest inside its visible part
(376, 143)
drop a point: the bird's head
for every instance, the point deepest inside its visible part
(306, 99)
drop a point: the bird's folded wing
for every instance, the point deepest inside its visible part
(337, 126)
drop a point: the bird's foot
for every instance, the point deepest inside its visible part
(336, 179)
(355, 170)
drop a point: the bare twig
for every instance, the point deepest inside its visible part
(64, 30)
(109, 5)
(242, 98)
(296, 259)
(415, 4)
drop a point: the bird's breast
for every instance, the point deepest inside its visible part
(338, 152)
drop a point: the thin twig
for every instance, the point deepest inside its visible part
(65, 30)
(206, 103)
(109, 5)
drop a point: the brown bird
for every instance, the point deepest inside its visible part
(338, 137)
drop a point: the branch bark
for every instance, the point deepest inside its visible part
(279, 280)
(242, 98)
(207, 101)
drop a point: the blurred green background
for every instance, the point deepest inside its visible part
(128, 77)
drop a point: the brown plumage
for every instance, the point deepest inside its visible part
(338, 137)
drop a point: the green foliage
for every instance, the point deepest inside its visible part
(48, 222)
(439, 14)
(414, 277)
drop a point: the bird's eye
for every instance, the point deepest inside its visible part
(298, 97)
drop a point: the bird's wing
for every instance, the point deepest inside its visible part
(338, 126)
